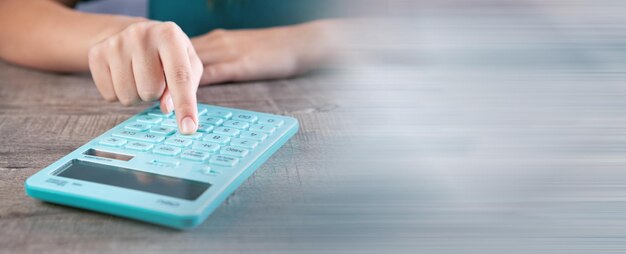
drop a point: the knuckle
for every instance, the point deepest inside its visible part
(105, 91)
(182, 75)
(220, 37)
(128, 99)
(124, 102)
(231, 50)
(218, 32)
(216, 71)
(224, 40)
(169, 29)
(135, 32)
(149, 94)
(109, 97)
(95, 53)
(114, 43)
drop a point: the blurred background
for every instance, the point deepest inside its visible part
(475, 126)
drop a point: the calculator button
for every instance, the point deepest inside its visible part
(223, 160)
(127, 134)
(137, 127)
(216, 138)
(209, 171)
(263, 128)
(166, 150)
(182, 142)
(271, 121)
(167, 164)
(111, 141)
(163, 130)
(148, 137)
(139, 146)
(234, 151)
(205, 146)
(211, 120)
(205, 127)
(196, 135)
(170, 123)
(201, 111)
(244, 142)
(254, 135)
(219, 113)
(226, 131)
(149, 119)
(236, 124)
(158, 113)
(245, 117)
(195, 155)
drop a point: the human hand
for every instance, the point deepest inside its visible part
(246, 55)
(147, 61)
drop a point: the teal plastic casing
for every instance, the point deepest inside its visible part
(149, 207)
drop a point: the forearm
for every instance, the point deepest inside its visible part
(46, 35)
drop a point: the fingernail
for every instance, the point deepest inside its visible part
(188, 126)
(169, 105)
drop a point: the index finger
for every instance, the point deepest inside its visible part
(180, 82)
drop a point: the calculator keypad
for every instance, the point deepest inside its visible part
(244, 142)
(220, 113)
(196, 155)
(149, 119)
(245, 117)
(262, 128)
(254, 135)
(206, 146)
(163, 130)
(170, 123)
(232, 132)
(222, 140)
(137, 127)
(166, 150)
(271, 121)
(234, 151)
(140, 136)
(111, 141)
(196, 135)
(211, 120)
(216, 138)
(223, 160)
(139, 146)
(182, 142)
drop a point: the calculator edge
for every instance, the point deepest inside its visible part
(33, 189)
(241, 178)
(147, 215)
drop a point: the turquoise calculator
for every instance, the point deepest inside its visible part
(145, 170)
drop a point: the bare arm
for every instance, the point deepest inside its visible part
(48, 35)
(130, 59)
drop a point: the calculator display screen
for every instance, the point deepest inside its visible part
(133, 179)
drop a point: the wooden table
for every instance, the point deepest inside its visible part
(499, 129)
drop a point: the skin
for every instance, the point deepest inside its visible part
(133, 60)
(148, 61)
(259, 54)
